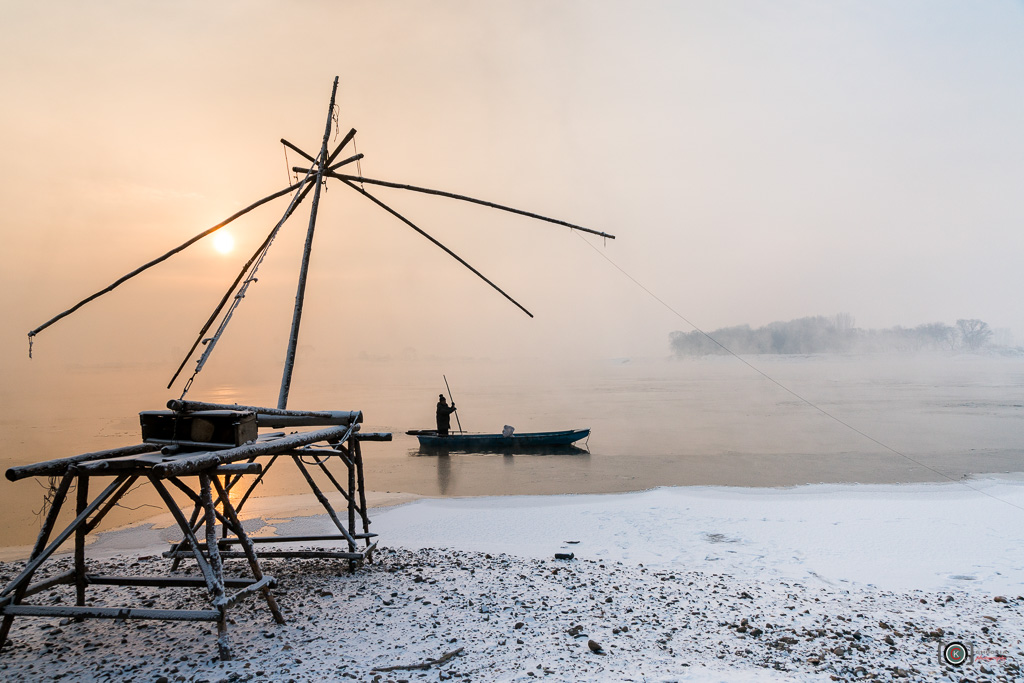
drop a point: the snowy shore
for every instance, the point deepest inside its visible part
(838, 582)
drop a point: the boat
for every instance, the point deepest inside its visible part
(497, 442)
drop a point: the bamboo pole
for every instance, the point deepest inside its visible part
(435, 242)
(160, 259)
(293, 339)
(451, 195)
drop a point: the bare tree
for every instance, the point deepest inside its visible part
(974, 333)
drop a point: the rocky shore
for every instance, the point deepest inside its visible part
(432, 614)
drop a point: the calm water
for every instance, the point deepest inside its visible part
(695, 422)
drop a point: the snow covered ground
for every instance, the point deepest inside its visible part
(812, 583)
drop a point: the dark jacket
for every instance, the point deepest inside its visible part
(444, 416)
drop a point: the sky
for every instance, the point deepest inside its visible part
(756, 161)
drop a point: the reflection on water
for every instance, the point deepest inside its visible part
(701, 421)
(444, 458)
(567, 449)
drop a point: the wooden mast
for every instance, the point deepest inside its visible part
(293, 339)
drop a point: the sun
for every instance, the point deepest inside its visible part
(223, 242)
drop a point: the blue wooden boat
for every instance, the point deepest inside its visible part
(498, 442)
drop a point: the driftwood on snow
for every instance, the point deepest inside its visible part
(422, 665)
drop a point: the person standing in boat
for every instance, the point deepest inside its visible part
(444, 415)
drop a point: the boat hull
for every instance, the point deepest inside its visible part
(497, 442)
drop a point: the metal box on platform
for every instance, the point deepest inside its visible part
(204, 428)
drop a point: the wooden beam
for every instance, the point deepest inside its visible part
(164, 581)
(273, 417)
(332, 167)
(298, 151)
(341, 145)
(50, 468)
(109, 613)
(195, 463)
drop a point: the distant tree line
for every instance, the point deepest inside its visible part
(835, 334)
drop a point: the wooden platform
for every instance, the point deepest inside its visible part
(210, 475)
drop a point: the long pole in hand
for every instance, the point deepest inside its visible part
(457, 421)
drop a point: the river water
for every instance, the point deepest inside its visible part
(703, 421)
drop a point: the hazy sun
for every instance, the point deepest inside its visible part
(223, 242)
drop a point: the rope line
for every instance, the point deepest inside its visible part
(784, 387)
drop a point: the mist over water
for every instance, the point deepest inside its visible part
(694, 421)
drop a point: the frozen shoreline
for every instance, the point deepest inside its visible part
(700, 584)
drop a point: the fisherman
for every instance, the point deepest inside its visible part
(444, 416)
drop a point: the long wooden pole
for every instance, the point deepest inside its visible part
(452, 399)
(293, 339)
(440, 193)
(443, 248)
(160, 259)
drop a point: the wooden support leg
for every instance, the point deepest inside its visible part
(351, 466)
(352, 499)
(194, 524)
(252, 487)
(323, 501)
(83, 501)
(337, 485)
(194, 521)
(20, 585)
(212, 569)
(98, 517)
(219, 596)
(357, 453)
(41, 552)
(250, 550)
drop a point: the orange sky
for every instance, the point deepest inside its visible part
(757, 161)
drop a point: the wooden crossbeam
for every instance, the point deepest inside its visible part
(111, 612)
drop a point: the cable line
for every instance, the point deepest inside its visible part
(783, 386)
